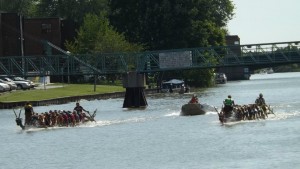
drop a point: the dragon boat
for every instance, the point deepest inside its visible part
(244, 113)
(56, 119)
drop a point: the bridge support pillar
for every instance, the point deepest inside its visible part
(135, 85)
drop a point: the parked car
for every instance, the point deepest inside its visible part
(32, 85)
(4, 87)
(12, 85)
(20, 84)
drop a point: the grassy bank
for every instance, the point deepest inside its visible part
(57, 91)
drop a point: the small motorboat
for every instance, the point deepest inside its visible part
(192, 109)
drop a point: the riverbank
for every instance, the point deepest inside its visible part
(54, 94)
(63, 100)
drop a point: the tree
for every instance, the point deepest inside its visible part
(70, 9)
(166, 24)
(23, 7)
(174, 24)
(96, 35)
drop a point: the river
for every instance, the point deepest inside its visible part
(159, 138)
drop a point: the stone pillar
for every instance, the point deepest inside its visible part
(135, 85)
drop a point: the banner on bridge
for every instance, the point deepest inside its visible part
(175, 59)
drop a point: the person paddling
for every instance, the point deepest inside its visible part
(228, 104)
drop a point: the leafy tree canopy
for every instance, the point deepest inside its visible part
(70, 9)
(169, 24)
(67, 9)
(158, 24)
(24, 7)
(174, 24)
(97, 35)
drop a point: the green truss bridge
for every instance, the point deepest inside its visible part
(253, 56)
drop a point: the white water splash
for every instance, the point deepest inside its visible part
(172, 114)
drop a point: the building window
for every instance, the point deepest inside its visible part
(46, 28)
(236, 42)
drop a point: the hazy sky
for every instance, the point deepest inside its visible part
(266, 21)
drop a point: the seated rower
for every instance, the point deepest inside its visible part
(260, 101)
(194, 99)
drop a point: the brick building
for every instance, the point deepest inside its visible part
(33, 30)
(38, 29)
(10, 42)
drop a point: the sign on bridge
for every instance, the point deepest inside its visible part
(175, 59)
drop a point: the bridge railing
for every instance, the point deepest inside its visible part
(151, 61)
(271, 53)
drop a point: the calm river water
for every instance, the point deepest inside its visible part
(158, 138)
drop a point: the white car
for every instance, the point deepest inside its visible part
(12, 85)
(4, 87)
(32, 85)
(20, 84)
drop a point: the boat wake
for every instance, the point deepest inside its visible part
(284, 115)
(211, 112)
(35, 129)
(123, 121)
(172, 114)
(208, 108)
(101, 123)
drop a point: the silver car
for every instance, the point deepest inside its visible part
(32, 84)
(4, 87)
(20, 84)
(12, 85)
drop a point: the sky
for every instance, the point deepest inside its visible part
(265, 21)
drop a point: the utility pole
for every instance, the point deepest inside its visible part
(22, 44)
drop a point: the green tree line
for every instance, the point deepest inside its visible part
(135, 25)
